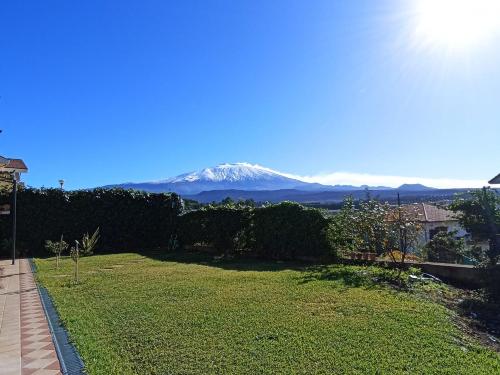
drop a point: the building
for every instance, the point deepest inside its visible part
(9, 169)
(495, 180)
(435, 219)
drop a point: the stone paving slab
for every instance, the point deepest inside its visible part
(26, 345)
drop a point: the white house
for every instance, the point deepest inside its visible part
(435, 219)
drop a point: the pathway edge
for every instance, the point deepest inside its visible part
(69, 358)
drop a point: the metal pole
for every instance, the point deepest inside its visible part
(14, 219)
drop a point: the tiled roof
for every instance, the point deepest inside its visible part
(495, 180)
(15, 164)
(428, 213)
(433, 213)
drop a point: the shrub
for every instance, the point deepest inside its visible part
(221, 227)
(445, 247)
(287, 230)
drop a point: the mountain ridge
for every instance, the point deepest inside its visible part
(245, 177)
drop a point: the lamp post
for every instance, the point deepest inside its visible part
(15, 176)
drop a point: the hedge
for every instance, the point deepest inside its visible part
(279, 231)
(132, 220)
(128, 219)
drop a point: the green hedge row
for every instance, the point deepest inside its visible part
(133, 221)
(280, 231)
(128, 220)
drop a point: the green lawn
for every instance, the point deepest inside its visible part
(137, 315)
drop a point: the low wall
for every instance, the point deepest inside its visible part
(461, 274)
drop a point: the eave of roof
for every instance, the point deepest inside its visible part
(495, 180)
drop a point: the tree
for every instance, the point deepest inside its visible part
(480, 216)
(372, 227)
(56, 248)
(402, 232)
(362, 228)
(344, 224)
(75, 256)
(445, 247)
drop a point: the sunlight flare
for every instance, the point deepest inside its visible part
(457, 24)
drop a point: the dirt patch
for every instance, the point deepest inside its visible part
(475, 315)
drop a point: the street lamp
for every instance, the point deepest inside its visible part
(15, 179)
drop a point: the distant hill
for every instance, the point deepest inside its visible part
(415, 187)
(324, 196)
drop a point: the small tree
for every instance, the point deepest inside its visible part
(75, 255)
(56, 248)
(403, 230)
(87, 247)
(371, 226)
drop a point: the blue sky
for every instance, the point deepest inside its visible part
(100, 92)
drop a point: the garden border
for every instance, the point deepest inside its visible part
(70, 360)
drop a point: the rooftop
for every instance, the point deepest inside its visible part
(428, 213)
(495, 180)
(12, 165)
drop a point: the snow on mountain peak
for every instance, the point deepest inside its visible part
(229, 172)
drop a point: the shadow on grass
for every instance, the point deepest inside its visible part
(355, 276)
(238, 263)
(347, 275)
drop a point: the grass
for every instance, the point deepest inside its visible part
(191, 315)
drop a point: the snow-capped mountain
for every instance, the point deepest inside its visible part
(246, 177)
(237, 176)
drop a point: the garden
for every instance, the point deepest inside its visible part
(145, 285)
(186, 313)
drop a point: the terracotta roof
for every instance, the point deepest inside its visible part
(17, 164)
(495, 180)
(428, 213)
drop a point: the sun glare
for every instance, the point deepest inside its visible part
(457, 24)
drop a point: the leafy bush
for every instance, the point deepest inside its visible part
(445, 247)
(221, 227)
(287, 230)
(280, 231)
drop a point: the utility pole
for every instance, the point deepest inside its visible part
(401, 244)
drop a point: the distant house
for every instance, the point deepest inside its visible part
(434, 220)
(495, 180)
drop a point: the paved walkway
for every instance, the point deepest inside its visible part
(26, 346)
